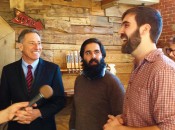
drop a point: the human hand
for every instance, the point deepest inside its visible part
(27, 116)
(119, 117)
(113, 123)
(14, 108)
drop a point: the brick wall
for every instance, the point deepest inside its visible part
(167, 9)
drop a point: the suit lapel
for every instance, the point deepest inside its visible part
(21, 77)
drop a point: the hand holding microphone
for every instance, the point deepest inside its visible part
(44, 92)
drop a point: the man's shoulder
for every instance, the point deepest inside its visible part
(111, 78)
(13, 64)
(110, 75)
(158, 60)
(164, 63)
(48, 63)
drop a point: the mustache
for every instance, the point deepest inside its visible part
(93, 60)
(130, 42)
(123, 35)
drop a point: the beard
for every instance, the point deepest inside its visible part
(131, 43)
(94, 71)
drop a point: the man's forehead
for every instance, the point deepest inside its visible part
(129, 17)
(92, 46)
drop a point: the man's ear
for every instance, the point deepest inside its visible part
(144, 29)
(20, 46)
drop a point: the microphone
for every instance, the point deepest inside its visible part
(44, 92)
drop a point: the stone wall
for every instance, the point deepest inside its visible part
(67, 25)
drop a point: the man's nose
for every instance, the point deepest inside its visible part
(93, 55)
(121, 30)
(171, 54)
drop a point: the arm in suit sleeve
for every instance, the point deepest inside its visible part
(57, 101)
(4, 91)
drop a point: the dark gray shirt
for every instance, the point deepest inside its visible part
(94, 100)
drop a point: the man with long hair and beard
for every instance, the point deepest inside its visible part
(98, 92)
(149, 103)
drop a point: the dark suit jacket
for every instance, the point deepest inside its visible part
(13, 89)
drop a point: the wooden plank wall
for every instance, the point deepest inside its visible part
(7, 44)
(68, 24)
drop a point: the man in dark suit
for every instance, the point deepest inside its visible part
(16, 87)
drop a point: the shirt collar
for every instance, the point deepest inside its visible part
(34, 64)
(151, 57)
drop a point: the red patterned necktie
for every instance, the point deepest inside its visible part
(29, 78)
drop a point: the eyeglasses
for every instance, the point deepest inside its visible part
(169, 50)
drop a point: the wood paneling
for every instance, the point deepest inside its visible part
(68, 25)
(7, 44)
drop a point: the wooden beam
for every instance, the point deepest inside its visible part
(108, 3)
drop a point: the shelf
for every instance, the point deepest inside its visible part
(71, 71)
(64, 70)
(69, 92)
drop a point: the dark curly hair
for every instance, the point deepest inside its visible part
(92, 40)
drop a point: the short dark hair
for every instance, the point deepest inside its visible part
(92, 40)
(26, 31)
(147, 15)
